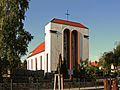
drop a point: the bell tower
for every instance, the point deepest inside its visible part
(68, 39)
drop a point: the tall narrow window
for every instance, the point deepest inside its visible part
(28, 65)
(36, 63)
(31, 64)
(47, 62)
(67, 47)
(74, 49)
(40, 62)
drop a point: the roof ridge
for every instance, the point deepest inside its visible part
(68, 22)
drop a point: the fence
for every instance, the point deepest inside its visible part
(37, 83)
(36, 80)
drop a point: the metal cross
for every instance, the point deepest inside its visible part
(67, 14)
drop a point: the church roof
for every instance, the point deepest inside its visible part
(38, 49)
(68, 23)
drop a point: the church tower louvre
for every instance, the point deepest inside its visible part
(70, 39)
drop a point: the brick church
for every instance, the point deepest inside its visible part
(70, 39)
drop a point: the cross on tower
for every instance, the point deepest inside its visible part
(67, 14)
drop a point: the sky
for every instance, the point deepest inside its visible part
(102, 17)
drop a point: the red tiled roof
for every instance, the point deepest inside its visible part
(38, 49)
(68, 23)
(94, 64)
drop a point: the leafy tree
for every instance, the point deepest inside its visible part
(93, 71)
(62, 67)
(24, 65)
(64, 70)
(105, 62)
(112, 57)
(84, 70)
(14, 39)
(116, 61)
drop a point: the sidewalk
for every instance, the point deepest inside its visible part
(92, 88)
(86, 88)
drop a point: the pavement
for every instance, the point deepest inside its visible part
(83, 88)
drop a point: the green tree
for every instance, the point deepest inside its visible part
(24, 65)
(62, 67)
(116, 61)
(112, 57)
(64, 70)
(106, 61)
(93, 71)
(84, 69)
(14, 39)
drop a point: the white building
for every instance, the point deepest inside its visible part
(70, 39)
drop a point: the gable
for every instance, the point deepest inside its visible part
(68, 23)
(38, 49)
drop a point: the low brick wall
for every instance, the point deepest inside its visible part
(38, 84)
(26, 86)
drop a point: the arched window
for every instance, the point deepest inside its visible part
(66, 45)
(74, 48)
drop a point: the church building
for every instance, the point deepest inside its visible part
(70, 39)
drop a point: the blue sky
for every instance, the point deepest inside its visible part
(102, 17)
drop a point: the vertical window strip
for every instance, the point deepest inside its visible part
(31, 64)
(28, 64)
(41, 62)
(47, 62)
(36, 63)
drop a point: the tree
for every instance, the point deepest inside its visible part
(112, 57)
(64, 70)
(93, 71)
(62, 67)
(116, 61)
(105, 61)
(14, 39)
(85, 70)
(24, 65)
